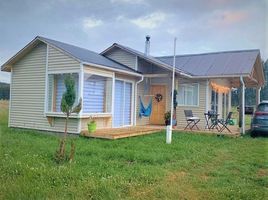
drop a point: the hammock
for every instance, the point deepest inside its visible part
(146, 112)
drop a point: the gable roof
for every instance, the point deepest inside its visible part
(80, 54)
(226, 63)
(148, 58)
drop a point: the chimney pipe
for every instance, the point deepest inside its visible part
(147, 45)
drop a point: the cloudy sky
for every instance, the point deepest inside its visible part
(199, 25)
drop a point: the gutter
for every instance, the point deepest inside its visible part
(112, 69)
(135, 105)
(220, 76)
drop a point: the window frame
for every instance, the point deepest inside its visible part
(104, 114)
(55, 113)
(187, 85)
(132, 102)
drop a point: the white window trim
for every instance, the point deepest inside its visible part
(10, 97)
(187, 84)
(46, 83)
(103, 75)
(64, 72)
(56, 114)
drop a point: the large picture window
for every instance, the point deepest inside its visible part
(56, 88)
(97, 94)
(188, 94)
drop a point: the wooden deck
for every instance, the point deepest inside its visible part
(235, 132)
(117, 133)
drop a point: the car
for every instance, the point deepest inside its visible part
(249, 110)
(259, 122)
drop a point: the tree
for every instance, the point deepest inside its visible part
(250, 93)
(67, 102)
(264, 90)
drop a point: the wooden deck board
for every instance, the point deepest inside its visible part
(117, 133)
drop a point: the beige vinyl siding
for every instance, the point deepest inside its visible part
(197, 110)
(28, 94)
(58, 61)
(102, 122)
(145, 100)
(122, 57)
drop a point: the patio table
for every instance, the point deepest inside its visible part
(212, 121)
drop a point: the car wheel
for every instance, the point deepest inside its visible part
(253, 134)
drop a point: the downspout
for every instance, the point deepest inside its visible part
(135, 105)
(242, 130)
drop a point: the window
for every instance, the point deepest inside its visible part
(97, 94)
(214, 101)
(188, 94)
(56, 88)
(122, 103)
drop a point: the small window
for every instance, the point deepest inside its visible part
(97, 94)
(188, 94)
(56, 88)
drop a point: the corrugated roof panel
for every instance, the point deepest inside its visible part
(88, 56)
(213, 64)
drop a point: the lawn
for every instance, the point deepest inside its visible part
(194, 166)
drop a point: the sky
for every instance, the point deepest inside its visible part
(200, 25)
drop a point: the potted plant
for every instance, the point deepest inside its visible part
(167, 118)
(91, 126)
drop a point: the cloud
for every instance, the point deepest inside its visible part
(150, 21)
(128, 1)
(228, 18)
(89, 23)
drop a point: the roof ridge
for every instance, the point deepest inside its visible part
(45, 38)
(208, 53)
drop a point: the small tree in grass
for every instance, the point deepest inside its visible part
(67, 102)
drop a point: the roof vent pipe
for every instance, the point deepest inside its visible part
(147, 45)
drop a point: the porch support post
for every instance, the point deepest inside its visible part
(207, 96)
(225, 105)
(230, 101)
(242, 107)
(258, 96)
(81, 95)
(220, 104)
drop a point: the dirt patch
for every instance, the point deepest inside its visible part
(175, 176)
(3, 104)
(262, 172)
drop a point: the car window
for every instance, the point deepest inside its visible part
(263, 107)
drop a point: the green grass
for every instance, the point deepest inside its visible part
(235, 115)
(192, 167)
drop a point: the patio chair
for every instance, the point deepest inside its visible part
(225, 122)
(191, 120)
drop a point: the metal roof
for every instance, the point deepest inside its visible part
(215, 64)
(87, 56)
(146, 57)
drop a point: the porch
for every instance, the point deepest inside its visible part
(126, 132)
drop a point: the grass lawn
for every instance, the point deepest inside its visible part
(192, 167)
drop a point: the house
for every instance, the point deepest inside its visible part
(113, 83)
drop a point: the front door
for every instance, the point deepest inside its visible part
(159, 105)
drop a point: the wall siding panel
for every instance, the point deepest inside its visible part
(28, 94)
(197, 110)
(59, 61)
(122, 57)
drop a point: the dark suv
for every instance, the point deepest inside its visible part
(259, 123)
